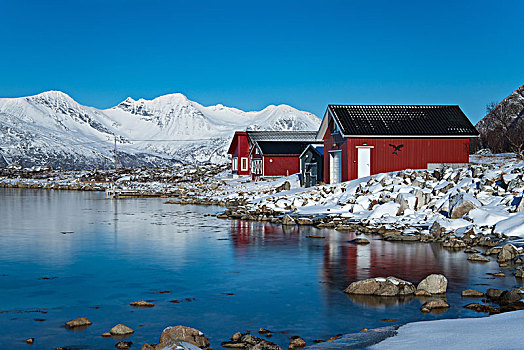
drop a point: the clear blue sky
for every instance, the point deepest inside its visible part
(249, 54)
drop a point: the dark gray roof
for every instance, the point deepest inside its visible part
(282, 147)
(304, 136)
(422, 120)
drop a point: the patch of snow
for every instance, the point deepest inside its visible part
(386, 209)
(512, 226)
(487, 216)
(502, 331)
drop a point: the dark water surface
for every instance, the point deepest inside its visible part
(76, 254)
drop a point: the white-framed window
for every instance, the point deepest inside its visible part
(256, 150)
(244, 164)
(235, 164)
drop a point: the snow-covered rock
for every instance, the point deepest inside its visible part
(462, 203)
(381, 286)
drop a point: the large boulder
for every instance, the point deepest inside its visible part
(436, 230)
(178, 336)
(511, 296)
(434, 284)
(423, 198)
(462, 203)
(494, 293)
(288, 221)
(519, 272)
(407, 201)
(381, 286)
(508, 253)
(296, 342)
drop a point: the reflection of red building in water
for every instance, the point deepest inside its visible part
(246, 234)
(345, 262)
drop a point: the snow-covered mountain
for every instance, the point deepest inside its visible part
(53, 129)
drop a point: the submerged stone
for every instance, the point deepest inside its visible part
(78, 322)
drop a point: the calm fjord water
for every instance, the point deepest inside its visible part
(76, 254)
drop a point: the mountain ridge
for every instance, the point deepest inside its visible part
(51, 128)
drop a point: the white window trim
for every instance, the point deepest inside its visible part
(235, 164)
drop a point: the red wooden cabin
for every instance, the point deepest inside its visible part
(362, 140)
(239, 150)
(268, 153)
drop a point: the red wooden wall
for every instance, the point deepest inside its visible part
(331, 145)
(242, 151)
(281, 165)
(415, 154)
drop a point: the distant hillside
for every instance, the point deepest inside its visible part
(53, 129)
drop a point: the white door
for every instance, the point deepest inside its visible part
(335, 167)
(364, 161)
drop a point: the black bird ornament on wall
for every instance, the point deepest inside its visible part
(397, 148)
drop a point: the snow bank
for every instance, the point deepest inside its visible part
(487, 216)
(513, 226)
(503, 331)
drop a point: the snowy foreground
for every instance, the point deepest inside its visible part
(502, 331)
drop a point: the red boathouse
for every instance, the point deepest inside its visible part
(362, 140)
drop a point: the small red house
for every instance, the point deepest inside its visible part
(362, 140)
(268, 153)
(239, 149)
